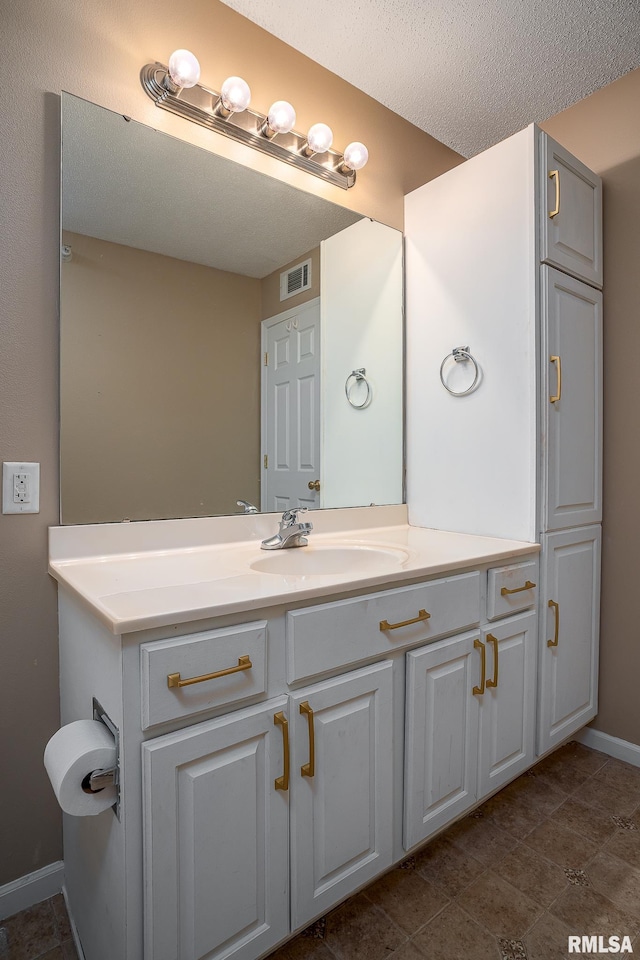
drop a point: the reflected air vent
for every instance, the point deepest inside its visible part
(296, 280)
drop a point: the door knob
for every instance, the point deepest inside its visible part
(314, 485)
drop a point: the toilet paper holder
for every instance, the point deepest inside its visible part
(97, 780)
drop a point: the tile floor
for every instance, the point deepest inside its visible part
(554, 853)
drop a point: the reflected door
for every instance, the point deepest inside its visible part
(291, 410)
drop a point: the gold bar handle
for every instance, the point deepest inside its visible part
(507, 591)
(478, 645)
(556, 609)
(494, 643)
(309, 769)
(554, 359)
(174, 680)
(279, 719)
(555, 175)
(422, 615)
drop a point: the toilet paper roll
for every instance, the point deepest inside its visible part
(74, 751)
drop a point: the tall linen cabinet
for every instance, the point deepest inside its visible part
(504, 258)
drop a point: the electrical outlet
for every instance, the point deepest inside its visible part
(21, 488)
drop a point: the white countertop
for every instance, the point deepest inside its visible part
(132, 591)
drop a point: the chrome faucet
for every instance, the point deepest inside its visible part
(247, 507)
(291, 533)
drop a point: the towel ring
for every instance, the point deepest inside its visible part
(459, 355)
(359, 376)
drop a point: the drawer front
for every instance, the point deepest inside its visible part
(507, 590)
(338, 634)
(235, 656)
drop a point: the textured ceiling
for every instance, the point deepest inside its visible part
(469, 72)
(130, 184)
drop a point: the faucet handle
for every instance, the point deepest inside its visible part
(291, 516)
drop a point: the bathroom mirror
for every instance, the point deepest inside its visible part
(224, 335)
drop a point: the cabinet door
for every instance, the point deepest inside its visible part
(341, 788)
(569, 633)
(572, 399)
(441, 734)
(571, 213)
(216, 839)
(506, 743)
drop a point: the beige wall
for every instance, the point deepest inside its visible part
(95, 50)
(604, 131)
(159, 362)
(272, 305)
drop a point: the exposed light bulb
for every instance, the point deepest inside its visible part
(235, 94)
(184, 68)
(319, 138)
(355, 156)
(281, 117)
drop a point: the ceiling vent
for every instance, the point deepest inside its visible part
(295, 280)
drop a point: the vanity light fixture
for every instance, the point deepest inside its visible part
(176, 88)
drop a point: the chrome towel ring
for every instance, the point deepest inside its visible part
(358, 376)
(460, 355)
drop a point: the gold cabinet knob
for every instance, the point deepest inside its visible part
(314, 485)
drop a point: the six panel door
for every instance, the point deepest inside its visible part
(341, 788)
(569, 647)
(216, 839)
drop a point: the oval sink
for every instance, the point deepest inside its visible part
(320, 560)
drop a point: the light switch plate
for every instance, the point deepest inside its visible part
(21, 488)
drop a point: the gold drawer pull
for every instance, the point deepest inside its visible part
(556, 397)
(309, 769)
(507, 591)
(478, 645)
(494, 643)
(422, 615)
(173, 679)
(279, 719)
(556, 609)
(555, 175)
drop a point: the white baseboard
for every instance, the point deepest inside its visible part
(613, 746)
(26, 891)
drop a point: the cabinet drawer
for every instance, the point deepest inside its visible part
(507, 591)
(235, 656)
(337, 634)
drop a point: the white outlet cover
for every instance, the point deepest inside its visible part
(8, 472)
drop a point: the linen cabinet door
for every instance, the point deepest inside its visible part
(341, 788)
(216, 838)
(507, 707)
(571, 213)
(572, 399)
(444, 682)
(569, 634)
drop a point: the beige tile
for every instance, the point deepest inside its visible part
(625, 844)
(589, 822)
(532, 875)
(586, 759)
(32, 932)
(503, 910)
(358, 930)
(61, 917)
(453, 935)
(587, 912)
(557, 773)
(408, 898)
(617, 881)
(408, 951)
(69, 951)
(562, 846)
(598, 793)
(447, 866)
(488, 844)
(539, 795)
(623, 776)
(548, 939)
(55, 954)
